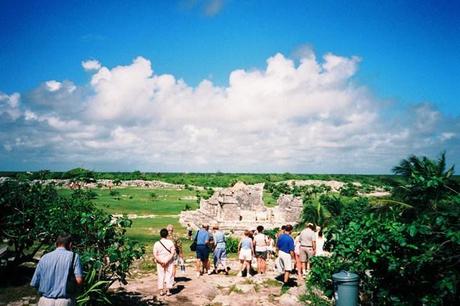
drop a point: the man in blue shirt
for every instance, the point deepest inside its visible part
(52, 274)
(202, 250)
(286, 248)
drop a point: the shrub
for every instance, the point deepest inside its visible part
(99, 238)
(232, 244)
(349, 190)
(404, 253)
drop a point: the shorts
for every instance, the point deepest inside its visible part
(262, 254)
(306, 253)
(202, 252)
(44, 301)
(245, 254)
(287, 260)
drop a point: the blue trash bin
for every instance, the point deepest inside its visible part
(346, 286)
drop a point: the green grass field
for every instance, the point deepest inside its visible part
(165, 205)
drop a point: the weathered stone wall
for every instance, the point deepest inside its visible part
(289, 208)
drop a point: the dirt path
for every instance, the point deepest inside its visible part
(215, 289)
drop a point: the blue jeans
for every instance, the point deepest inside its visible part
(219, 255)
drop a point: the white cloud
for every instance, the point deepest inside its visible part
(9, 106)
(305, 117)
(53, 85)
(90, 65)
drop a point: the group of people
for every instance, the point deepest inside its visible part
(293, 254)
(56, 268)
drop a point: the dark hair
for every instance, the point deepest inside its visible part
(64, 239)
(163, 233)
(320, 233)
(260, 228)
(283, 227)
(288, 228)
(312, 227)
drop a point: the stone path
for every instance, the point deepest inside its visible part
(215, 289)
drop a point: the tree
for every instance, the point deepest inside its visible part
(34, 214)
(425, 181)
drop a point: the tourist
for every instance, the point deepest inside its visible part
(52, 278)
(285, 246)
(298, 263)
(220, 253)
(270, 247)
(261, 244)
(281, 231)
(320, 244)
(245, 253)
(178, 246)
(164, 252)
(189, 232)
(307, 246)
(202, 250)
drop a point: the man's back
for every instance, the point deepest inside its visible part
(52, 271)
(307, 236)
(285, 243)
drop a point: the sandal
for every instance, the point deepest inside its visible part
(168, 293)
(162, 293)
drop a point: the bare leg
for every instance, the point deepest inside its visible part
(286, 277)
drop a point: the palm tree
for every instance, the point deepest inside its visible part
(425, 181)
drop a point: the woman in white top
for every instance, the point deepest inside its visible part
(164, 252)
(261, 245)
(320, 244)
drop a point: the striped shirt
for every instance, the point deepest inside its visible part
(50, 277)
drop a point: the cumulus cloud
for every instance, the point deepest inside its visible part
(91, 65)
(303, 115)
(9, 106)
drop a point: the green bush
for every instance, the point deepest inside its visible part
(34, 214)
(349, 190)
(231, 244)
(404, 253)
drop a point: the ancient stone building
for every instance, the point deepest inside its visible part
(241, 207)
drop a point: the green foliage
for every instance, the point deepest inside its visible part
(425, 181)
(272, 232)
(401, 260)
(94, 291)
(153, 196)
(79, 174)
(231, 244)
(114, 193)
(349, 190)
(34, 214)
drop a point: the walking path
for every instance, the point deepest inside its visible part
(215, 289)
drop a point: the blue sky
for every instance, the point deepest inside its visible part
(407, 59)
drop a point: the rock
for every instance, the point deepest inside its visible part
(207, 290)
(289, 300)
(245, 288)
(224, 300)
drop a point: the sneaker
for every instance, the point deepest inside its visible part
(240, 274)
(198, 274)
(209, 272)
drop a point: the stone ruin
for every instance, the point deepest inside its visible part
(241, 207)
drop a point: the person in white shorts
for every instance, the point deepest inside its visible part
(285, 246)
(245, 253)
